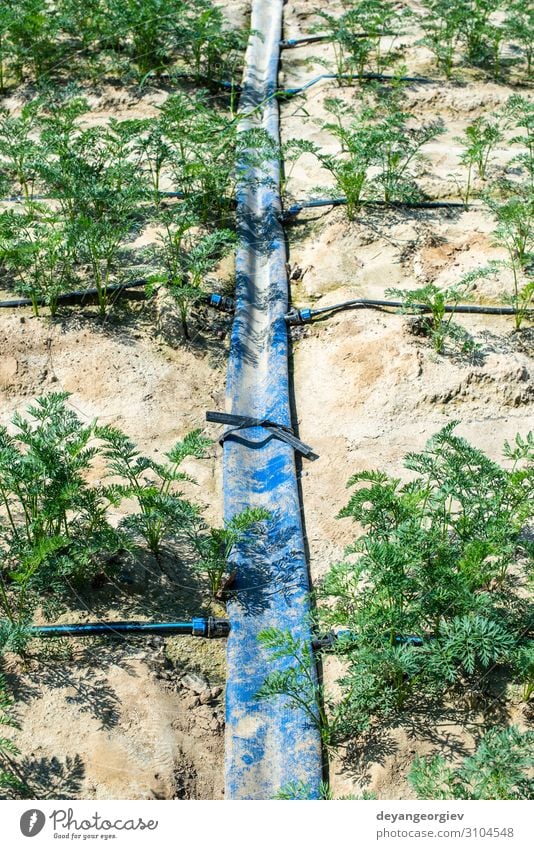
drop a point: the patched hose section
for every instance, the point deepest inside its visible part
(267, 745)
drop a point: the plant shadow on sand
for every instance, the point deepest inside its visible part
(48, 778)
(443, 729)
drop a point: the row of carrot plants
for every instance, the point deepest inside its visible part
(381, 151)
(63, 533)
(431, 608)
(495, 35)
(87, 192)
(43, 42)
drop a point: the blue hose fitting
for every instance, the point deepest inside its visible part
(296, 317)
(199, 627)
(221, 302)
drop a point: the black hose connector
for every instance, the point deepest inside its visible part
(217, 627)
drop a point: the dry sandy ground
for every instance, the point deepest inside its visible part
(122, 721)
(366, 390)
(119, 721)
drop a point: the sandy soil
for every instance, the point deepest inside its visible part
(145, 721)
(366, 389)
(122, 721)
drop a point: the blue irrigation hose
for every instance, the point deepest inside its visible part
(197, 627)
(268, 744)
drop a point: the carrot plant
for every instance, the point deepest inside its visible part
(435, 561)
(150, 29)
(381, 138)
(7, 13)
(515, 234)
(215, 547)
(20, 152)
(357, 34)
(520, 29)
(33, 33)
(53, 522)
(163, 511)
(185, 254)
(467, 24)
(478, 142)
(98, 186)
(500, 768)
(38, 38)
(429, 302)
(441, 33)
(205, 148)
(55, 529)
(398, 147)
(38, 255)
(155, 151)
(350, 169)
(519, 112)
(524, 668)
(213, 51)
(297, 683)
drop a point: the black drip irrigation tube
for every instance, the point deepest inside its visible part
(296, 208)
(73, 297)
(305, 316)
(22, 199)
(197, 627)
(226, 85)
(355, 78)
(339, 638)
(288, 43)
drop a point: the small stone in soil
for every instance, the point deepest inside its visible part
(195, 683)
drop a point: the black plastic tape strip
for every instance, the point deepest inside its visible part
(239, 423)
